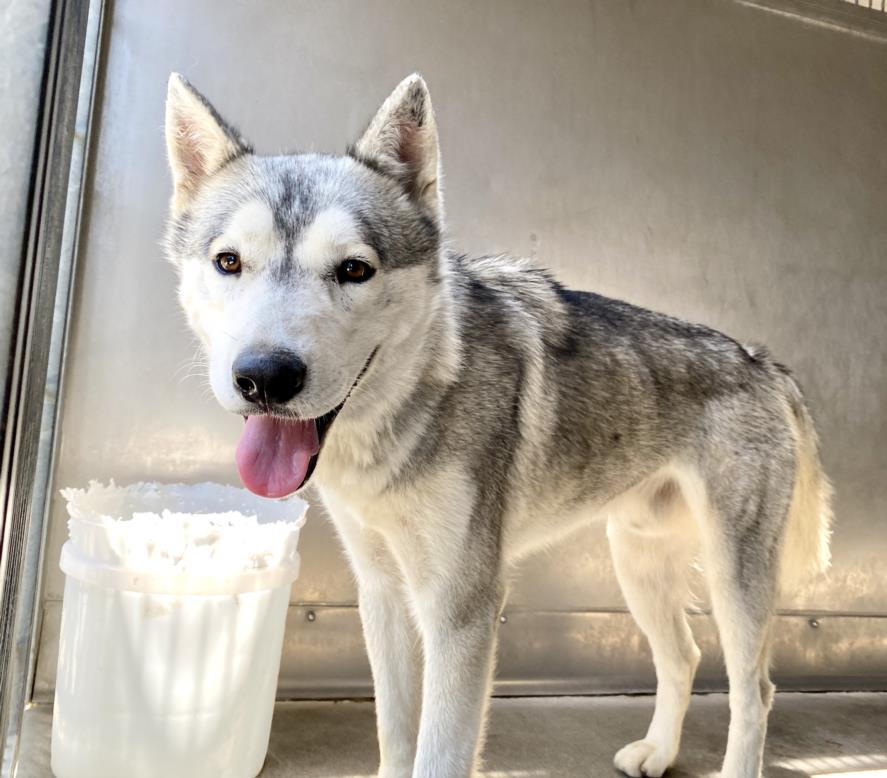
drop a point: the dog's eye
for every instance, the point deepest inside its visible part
(354, 271)
(228, 263)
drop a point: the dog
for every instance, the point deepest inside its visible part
(457, 413)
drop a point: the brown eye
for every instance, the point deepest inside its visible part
(228, 263)
(354, 271)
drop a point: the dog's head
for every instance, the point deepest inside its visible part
(296, 270)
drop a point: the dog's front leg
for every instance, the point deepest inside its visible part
(392, 643)
(458, 624)
(395, 658)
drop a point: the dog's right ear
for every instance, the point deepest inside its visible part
(198, 141)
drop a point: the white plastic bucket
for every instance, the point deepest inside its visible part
(172, 629)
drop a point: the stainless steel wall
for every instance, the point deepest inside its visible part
(702, 157)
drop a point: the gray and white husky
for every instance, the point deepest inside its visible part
(457, 413)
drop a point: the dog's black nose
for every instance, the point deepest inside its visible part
(269, 377)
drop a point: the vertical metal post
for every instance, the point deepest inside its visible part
(46, 284)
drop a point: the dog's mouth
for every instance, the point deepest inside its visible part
(277, 455)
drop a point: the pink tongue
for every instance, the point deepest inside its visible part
(273, 454)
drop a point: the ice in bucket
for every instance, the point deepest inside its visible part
(172, 628)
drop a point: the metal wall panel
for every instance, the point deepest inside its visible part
(22, 46)
(701, 157)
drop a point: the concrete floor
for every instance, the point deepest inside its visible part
(835, 735)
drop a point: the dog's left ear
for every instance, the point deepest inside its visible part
(198, 141)
(401, 142)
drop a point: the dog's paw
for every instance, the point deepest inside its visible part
(643, 758)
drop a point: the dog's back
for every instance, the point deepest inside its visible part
(606, 393)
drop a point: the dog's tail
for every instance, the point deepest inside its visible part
(808, 529)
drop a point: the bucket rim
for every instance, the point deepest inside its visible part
(98, 488)
(80, 567)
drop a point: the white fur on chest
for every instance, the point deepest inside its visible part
(425, 523)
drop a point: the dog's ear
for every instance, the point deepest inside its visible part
(401, 142)
(198, 141)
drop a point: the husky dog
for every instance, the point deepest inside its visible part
(456, 414)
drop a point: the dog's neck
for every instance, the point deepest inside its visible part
(378, 425)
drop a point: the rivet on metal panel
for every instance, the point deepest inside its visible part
(814, 623)
(311, 616)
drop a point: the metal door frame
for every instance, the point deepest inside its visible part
(62, 132)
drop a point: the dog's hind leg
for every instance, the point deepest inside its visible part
(741, 537)
(745, 637)
(653, 543)
(741, 572)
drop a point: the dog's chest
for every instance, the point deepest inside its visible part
(442, 497)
